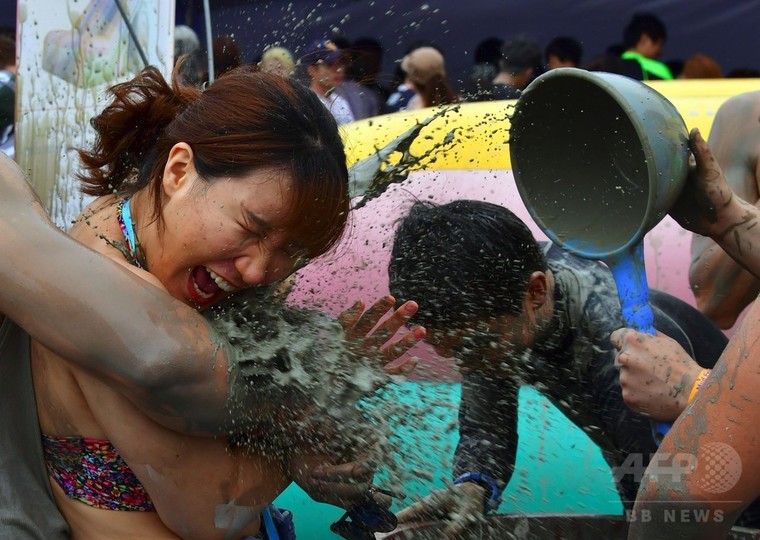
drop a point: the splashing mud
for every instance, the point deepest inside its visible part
(316, 394)
(313, 389)
(301, 371)
(391, 164)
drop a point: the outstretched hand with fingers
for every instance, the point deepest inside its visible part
(373, 338)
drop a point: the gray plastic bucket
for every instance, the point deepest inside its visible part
(598, 158)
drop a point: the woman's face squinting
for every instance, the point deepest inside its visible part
(224, 236)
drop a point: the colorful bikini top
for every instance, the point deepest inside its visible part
(93, 472)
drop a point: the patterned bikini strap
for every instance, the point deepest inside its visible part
(124, 217)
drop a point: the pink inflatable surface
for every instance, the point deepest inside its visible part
(357, 269)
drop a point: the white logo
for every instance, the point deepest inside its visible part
(720, 467)
(716, 468)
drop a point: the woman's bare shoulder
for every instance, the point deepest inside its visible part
(97, 226)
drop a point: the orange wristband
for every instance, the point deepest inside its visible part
(698, 383)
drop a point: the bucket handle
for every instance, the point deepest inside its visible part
(630, 276)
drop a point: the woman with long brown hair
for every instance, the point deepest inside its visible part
(202, 195)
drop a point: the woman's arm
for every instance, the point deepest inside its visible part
(157, 351)
(706, 470)
(160, 353)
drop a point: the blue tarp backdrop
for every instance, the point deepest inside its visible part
(727, 31)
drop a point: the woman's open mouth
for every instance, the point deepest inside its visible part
(205, 285)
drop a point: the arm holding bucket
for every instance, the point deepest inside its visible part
(722, 287)
(708, 207)
(718, 423)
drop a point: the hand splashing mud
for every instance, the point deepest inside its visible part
(298, 366)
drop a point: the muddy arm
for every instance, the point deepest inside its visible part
(681, 496)
(89, 309)
(708, 206)
(722, 287)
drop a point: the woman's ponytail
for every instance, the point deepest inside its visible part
(128, 131)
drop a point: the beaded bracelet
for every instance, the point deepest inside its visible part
(698, 383)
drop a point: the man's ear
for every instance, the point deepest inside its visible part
(537, 289)
(179, 171)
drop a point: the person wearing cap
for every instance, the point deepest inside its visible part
(426, 74)
(323, 61)
(519, 62)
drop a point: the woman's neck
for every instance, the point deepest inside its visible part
(140, 210)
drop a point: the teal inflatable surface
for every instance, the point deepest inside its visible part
(558, 469)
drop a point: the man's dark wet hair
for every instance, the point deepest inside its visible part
(519, 54)
(565, 48)
(644, 24)
(462, 260)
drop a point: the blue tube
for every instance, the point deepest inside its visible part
(269, 525)
(630, 276)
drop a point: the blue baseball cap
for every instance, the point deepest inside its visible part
(322, 51)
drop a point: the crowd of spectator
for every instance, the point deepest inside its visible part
(347, 75)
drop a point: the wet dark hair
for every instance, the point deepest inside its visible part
(243, 122)
(642, 24)
(565, 48)
(462, 260)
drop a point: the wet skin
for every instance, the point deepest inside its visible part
(722, 287)
(230, 228)
(250, 249)
(219, 237)
(723, 412)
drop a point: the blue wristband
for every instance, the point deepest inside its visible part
(494, 499)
